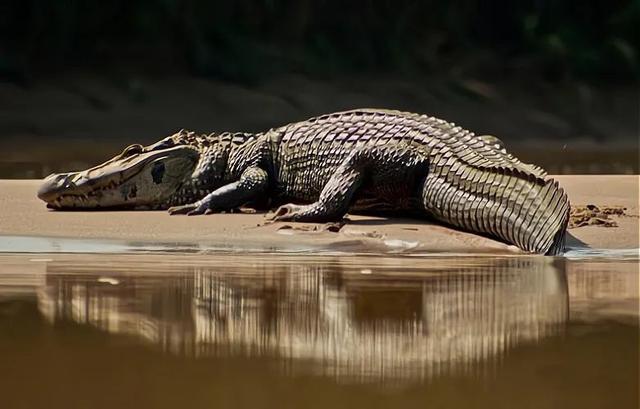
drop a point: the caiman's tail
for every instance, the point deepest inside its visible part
(517, 208)
(557, 246)
(556, 210)
(554, 218)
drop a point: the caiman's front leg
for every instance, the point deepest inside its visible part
(336, 196)
(252, 183)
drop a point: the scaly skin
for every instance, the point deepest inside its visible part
(329, 164)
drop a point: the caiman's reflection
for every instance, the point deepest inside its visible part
(342, 319)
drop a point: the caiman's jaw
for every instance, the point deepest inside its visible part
(137, 178)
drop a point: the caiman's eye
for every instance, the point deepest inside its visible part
(132, 150)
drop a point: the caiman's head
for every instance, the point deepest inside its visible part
(152, 177)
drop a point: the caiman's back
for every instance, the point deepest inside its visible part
(461, 179)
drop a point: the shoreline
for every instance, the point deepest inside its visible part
(25, 216)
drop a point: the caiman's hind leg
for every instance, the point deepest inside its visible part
(251, 185)
(378, 170)
(336, 196)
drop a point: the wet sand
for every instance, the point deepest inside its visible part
(24, 215)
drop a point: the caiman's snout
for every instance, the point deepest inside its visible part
(138, 177)
(53, 185)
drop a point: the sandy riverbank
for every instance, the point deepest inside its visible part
(24, 215)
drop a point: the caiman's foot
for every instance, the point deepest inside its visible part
(191, 209)
(312, 213)
(288, 212)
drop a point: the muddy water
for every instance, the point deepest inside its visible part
(258, 331)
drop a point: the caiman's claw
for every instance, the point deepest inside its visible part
(286, 212)
(180, 209)
(192, 209)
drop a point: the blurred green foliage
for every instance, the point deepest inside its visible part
(243, 40)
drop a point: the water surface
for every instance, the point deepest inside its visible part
(260, 331)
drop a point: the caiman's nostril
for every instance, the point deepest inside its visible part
(51, 185)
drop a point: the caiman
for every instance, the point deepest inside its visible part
(327, 165)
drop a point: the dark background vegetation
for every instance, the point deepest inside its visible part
(540, 74)
(249, 40)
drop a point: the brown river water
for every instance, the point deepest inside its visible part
(152, 330)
